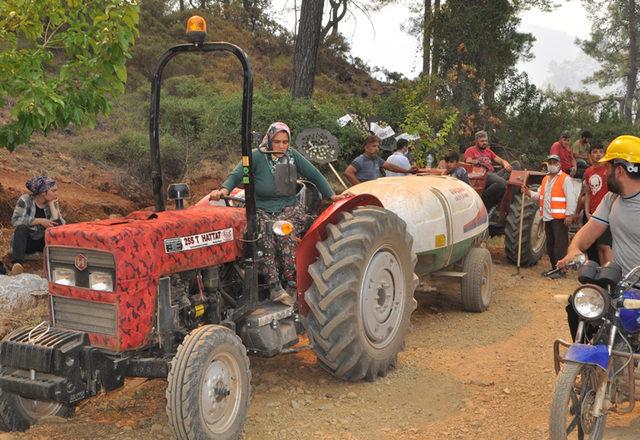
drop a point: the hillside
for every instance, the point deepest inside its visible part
(105, 170)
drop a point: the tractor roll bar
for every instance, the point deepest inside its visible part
(245, 128)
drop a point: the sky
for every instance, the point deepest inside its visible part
(382, 42)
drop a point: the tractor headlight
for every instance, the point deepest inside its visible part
(590, 302)
(101, 281)
(64, 276)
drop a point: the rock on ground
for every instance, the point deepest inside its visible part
(19, 291)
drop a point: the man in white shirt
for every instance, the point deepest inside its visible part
(399, 158)
(557, 205)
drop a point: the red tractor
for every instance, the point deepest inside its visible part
(512, 214)
(177, 294)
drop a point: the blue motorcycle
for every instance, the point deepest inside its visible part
(596, 373)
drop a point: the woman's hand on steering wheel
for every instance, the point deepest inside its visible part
(216, 194)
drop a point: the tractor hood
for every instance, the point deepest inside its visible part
(139, 249)
(152, 244)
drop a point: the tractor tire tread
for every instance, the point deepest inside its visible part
(512, 231)
(183, 381)
(332, 323)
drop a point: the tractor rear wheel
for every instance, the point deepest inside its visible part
(533, 236)
(209, 385)
(19, 414)
(361, 297)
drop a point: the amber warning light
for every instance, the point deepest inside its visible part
(196, 29)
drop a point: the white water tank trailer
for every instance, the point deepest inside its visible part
(449, 224)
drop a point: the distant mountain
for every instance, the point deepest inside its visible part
(559, 63)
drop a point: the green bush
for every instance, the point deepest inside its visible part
(130, 151)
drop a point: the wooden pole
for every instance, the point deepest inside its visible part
(520, 232)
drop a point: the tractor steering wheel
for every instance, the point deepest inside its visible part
(228, 199)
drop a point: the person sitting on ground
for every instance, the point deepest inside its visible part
(481, 154)
(399, 158)
(562, 149)
(451, 160)
(367, 166)
(595, 178)
(278, 262)
(557, 206)
(35, 212)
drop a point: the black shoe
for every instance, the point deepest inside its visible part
(557, 275)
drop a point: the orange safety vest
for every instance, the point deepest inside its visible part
(558, 197)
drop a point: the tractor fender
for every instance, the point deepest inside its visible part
(306, 252)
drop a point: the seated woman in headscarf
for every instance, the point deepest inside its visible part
(279, 252)
(35, 212)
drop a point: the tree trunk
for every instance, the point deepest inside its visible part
(306, 49)
(426, 38)
(489, 93)
(633, 62)
(181, 5)
(435, 37)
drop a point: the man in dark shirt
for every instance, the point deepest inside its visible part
(453, 168)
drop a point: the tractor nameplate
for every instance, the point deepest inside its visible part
(180, 244)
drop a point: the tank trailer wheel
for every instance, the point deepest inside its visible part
(476, 287)
(19, 413)
(361, 297)
(533, 236)
(209, 385)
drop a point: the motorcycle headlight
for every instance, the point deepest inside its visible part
(590, 302)
(64, 276)
(101, 281)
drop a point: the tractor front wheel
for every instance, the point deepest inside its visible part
(19, 413)
(361, 297)
(209, 385)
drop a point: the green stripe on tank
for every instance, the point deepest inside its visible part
(434, 259)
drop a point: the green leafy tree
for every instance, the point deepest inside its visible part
(614, 44)
(435, 125)
(60, 62)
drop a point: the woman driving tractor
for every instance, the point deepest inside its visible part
(279, 251)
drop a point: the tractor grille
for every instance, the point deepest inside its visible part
(96, 261)
(94, 258)
(82, 315)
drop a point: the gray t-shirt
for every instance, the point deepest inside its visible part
(366, 168)
(621, 214)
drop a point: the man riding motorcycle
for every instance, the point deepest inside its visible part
(619, 210)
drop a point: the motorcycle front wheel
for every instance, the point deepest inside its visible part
(574, 397)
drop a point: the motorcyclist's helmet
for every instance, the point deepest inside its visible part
(626, 150)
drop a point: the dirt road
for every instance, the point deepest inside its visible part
(462, 376)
